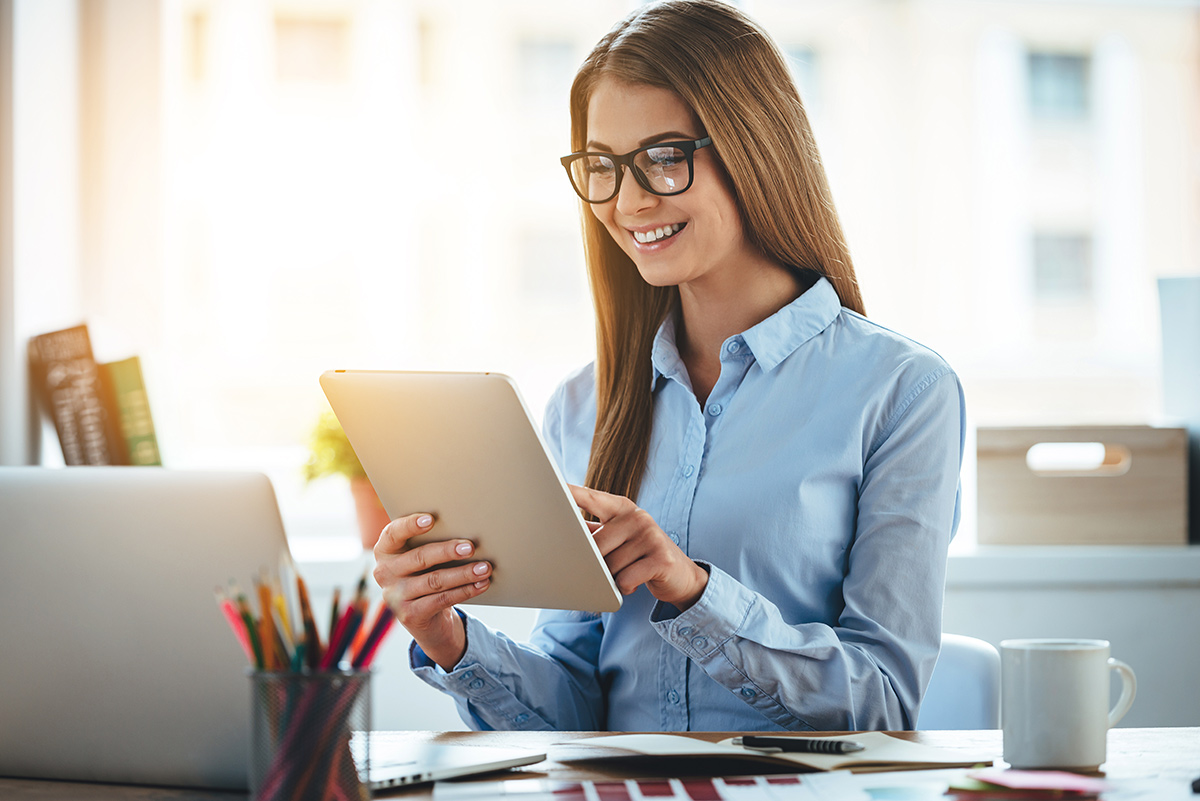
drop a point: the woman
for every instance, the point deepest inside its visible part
(793, 467)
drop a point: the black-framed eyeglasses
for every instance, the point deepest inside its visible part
(664, 168)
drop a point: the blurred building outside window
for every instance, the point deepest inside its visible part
(1062, 266)
(1058, 86)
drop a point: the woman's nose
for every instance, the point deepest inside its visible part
(632, 197)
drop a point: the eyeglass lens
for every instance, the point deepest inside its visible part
(661, 170)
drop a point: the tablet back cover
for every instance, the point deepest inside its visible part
(463, 447)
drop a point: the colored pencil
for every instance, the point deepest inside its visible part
(335, 612)
(251, 629)
(383, 623)
(268, 641)
(266, 626)
(235, 623)
(312, 640)
(346, 630)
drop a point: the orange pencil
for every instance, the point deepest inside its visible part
(361, 636)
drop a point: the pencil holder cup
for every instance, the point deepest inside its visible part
(309, 736)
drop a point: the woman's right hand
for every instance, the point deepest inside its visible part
(420, 593)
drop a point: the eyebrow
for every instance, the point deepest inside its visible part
(671, 135)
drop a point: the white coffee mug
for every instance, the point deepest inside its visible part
(1054, 702)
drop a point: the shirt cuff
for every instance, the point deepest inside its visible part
(471, 683)
(718, 615)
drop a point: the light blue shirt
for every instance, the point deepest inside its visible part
(819, 485)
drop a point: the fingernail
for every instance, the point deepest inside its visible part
(479, 585)
(480, 568)
(425, 520)
(463, 548)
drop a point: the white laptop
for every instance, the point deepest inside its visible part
(115, 662)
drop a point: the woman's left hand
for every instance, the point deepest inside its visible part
(638, 552)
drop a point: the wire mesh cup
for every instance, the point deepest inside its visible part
(309, 736)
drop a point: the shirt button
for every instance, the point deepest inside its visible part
(733, 347)
(686, 631)
(687, 471)
(470, 674)
(521, 718)
(673, 697)
(476, 685)
(700, 643)
(747, 692)
(714, 409)
(674, 537)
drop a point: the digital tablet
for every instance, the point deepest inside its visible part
(463, 447)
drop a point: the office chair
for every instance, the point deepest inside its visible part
(964, 690)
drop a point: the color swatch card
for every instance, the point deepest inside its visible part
(742, 788)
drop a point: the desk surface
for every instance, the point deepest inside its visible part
(1171, 753)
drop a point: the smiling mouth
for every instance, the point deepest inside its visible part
(658, 234)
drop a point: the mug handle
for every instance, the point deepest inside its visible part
(1128, 691)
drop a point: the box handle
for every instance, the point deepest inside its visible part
(1088, 459)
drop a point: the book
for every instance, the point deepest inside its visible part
(881, 752)
(124, 378)
(68, 383)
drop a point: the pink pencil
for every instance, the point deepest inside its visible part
(235, 622)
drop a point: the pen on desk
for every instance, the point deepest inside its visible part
(799, 744)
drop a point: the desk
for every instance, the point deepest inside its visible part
(1172, 753)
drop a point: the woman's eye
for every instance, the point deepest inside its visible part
(599, 166)
(665, 156)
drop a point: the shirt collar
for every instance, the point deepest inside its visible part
(778, 336)
(771, 341)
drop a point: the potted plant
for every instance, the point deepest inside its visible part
(330, 454)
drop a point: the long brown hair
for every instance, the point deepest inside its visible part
(732, 76)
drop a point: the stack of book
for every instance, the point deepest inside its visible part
(100, 411)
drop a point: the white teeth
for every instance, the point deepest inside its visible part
(657, 234)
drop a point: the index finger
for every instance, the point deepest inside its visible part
(396, 534)
(603, 505)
